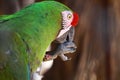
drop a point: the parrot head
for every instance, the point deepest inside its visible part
(69, 19)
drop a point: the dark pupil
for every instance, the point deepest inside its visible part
(69, 16)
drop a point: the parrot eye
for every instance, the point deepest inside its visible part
(69, 19)
(69, 16)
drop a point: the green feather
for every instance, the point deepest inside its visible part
(30, 31)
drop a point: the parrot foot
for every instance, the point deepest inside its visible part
(66, 45)
(63, 48)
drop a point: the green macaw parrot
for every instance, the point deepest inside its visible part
(26, 34)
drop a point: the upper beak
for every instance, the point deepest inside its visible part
(63, 34)
(63, 31)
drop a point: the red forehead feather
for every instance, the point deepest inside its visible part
(75, 19)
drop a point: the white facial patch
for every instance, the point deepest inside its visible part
(67, 18)
(66, 23)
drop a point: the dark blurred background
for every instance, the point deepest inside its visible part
(97, 38)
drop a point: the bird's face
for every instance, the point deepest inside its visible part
(69, 19)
